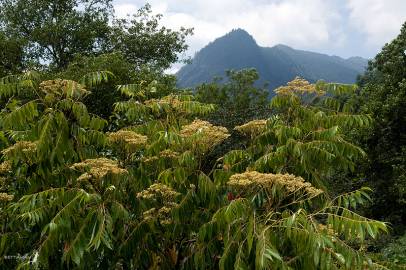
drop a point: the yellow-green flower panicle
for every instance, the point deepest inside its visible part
(58, 88)
(204, 135)
(4, 197)
(298, 86)
(21, 150)
(168, 153)
(98, 168)
(164, 196)
(252, 128)
(128, 139)
(5, 167)
(159, 191)
(288, 182)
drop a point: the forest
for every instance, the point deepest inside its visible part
(106, 164)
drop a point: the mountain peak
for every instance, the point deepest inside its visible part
(239, 31)
(238, 35)
(276, 65)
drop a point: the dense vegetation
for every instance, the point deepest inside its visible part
(106, 164)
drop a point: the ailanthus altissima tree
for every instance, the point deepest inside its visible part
(75, 196)
(279, 215)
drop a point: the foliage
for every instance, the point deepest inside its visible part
(384, 97)
(392, 254)
(238, 91)
(102, 97)
(238, 100)
(144, 41)
(395, 252)
(75, 196)
(11, 54)
(54, 31)
(308, 132)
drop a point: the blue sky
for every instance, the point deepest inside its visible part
(335, 27)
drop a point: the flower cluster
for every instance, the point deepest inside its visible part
(204, 134)
(22, 150)
(4, 197)
(5, 167)
(168, 153)
(326, 228)
(165, 196)
(289, 182)
(59, 87)
(158, 191)
(252, 128)
(150, 159)
(171, 101)
(298, 86)
(127, 137)
(98, 168)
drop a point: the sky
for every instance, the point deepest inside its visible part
(335, 27)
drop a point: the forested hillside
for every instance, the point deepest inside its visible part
(106, 164)
(276, 65)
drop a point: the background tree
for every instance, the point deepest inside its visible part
(54, 31)
(239, 98)
(11, 55)
(102, 97)
(143, 41)
(384, 97)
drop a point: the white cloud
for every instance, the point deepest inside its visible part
(340, 27)
(379, 20)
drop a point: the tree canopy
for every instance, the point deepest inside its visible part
(74, 195)
(384, 97)
(106, 164)
(53, 32)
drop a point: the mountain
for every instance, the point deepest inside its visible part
(276, 65)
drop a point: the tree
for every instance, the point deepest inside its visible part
(239, 99)
(75, 196)
(102, 97)
(54, 31)
(11, 55)
(144, 42)
(384, 97)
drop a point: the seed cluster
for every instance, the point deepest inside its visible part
(59, 87)
(5, 167)
(298, 86)
(158, 191)
(4, 197)
(163, 214)
(150, 159)
(127, 137)
(290, 182)
(168, 153)
(165, 196)
(252, 128)
(171, 100)
(326, 228)
(22, 150)
(204, 134)
(98, 168)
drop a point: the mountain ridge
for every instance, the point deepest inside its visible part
(275, 65)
